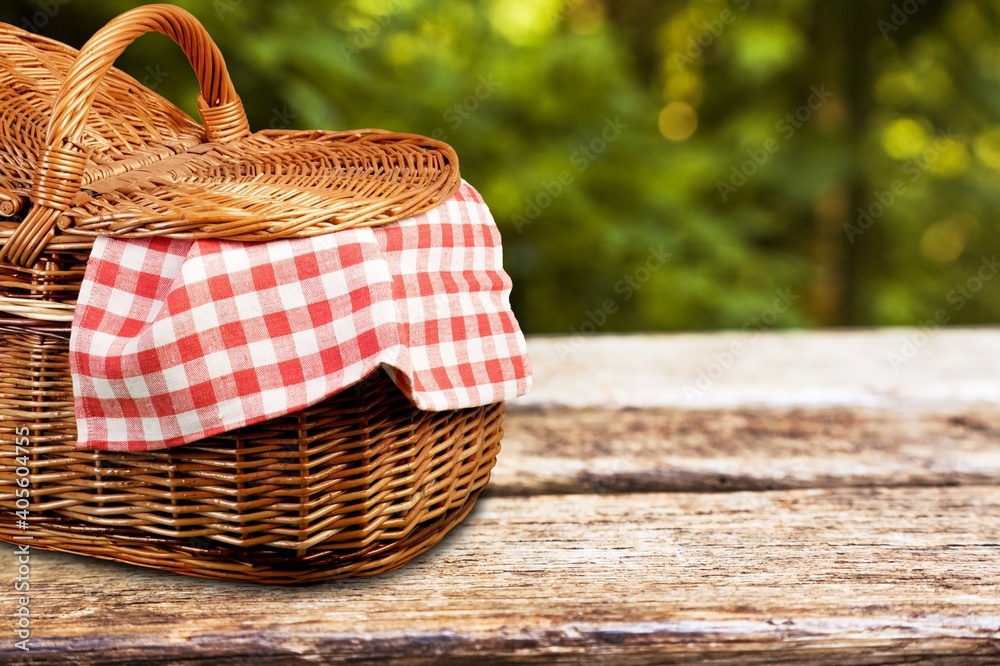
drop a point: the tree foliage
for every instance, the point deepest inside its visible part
(670, 164)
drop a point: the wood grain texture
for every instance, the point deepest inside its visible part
(782, 370)
(861, 526)
(838, 576)
(562, 450)
(791, 410)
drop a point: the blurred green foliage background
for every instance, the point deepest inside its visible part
(657, 164)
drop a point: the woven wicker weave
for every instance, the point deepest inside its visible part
(107, 156)
(356, 485)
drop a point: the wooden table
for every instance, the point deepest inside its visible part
(818, 501)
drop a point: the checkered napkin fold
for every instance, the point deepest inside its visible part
(177, 340)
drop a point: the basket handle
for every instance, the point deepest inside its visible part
(59, 172)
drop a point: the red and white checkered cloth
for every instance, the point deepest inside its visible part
(177, 340)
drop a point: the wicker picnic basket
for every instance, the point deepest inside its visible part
(353, 486)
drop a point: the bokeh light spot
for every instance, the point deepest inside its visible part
(684, 86)
(904, 138)
(943, 242)
(523, 22)
(987, 148)
(952, 158)
(678, 121)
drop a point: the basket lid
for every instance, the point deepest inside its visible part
(87, 150)
(178, 340)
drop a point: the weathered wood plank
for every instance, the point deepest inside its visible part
(834, 576)
(563, 450)
(791, 410)
(847, 572)
(783, 370)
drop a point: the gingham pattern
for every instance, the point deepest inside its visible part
(177, 340)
